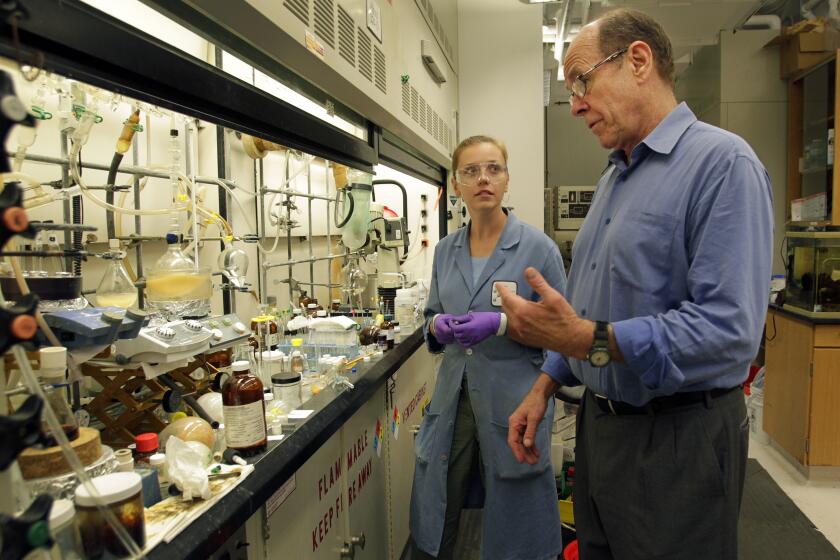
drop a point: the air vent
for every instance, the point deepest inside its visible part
(406, 99)
(414, 108)
(346, 38)
(436, 28)
(434, 127)
(299, 9)
(325, 21)
(421, 117)
(381, 73)
(365, 56)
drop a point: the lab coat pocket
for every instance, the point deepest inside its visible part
(506, 466)
(426, 437)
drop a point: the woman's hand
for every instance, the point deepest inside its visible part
(474, 327)
(441, 327)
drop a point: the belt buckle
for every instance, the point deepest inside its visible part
(609, 403)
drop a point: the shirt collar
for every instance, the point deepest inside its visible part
(664, 137)
(510, 234)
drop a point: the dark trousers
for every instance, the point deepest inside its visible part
(663, 485)
(464, 459)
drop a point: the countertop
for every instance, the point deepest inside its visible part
(206, 534)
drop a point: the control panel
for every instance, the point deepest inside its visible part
(164, 347)
(570, 206)
(226, 330)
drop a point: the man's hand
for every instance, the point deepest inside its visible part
(550, 323)
(522, 427)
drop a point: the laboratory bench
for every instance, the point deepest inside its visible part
(802, 391)
(343, 472)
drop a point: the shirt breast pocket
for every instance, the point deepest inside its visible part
(641, 252)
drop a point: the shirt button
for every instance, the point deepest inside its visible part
(469, 351)
(593, 266)
(444, 457)
(583, 312)
(608, 221)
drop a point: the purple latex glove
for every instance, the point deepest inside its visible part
(476, 326)
(443, 328)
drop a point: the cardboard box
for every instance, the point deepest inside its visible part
(804, 45)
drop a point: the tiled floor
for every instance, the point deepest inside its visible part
(819, 501)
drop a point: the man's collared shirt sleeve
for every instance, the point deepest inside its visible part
(557, 368)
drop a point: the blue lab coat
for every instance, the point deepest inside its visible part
(521, 519)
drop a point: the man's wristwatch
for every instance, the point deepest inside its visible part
(599, 352)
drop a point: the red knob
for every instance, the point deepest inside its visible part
(24, 327)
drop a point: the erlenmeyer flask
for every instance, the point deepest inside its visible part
(116, 288)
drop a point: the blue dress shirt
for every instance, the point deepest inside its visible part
(676, 253)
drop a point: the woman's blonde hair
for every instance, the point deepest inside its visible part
(472, 141)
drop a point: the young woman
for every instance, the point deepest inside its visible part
(483, 377)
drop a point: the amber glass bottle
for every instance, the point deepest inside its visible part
(244, 411)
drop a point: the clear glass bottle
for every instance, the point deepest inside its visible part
(53, 366)
(243, 406)
(116, 288)
(175, 287)
(298, 364)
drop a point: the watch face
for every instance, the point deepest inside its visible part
(599, 358)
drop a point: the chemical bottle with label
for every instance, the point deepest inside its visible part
(244, 411)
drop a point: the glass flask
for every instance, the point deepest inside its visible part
(233, 262)
(175, 288)
(354, 281)
(116, 288)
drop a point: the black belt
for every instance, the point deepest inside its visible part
(660, 404)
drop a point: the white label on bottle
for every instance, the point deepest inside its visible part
(244, 424)
(272, 339)
(389, 335)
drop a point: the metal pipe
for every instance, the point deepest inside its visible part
(291, 193)
(188, 167)
(138, 250)
(292, 262)
(65, 184)
(288, 231)
(133, 237)
(263, 272)
(309, 213)
(128, 169)
(329, 224)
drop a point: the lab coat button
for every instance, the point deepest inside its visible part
(469, 352)
(444, 457)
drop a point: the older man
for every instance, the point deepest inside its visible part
(667, 298)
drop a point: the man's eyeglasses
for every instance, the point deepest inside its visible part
(471, 174)
(579, 83)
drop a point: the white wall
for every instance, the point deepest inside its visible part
(500, 60)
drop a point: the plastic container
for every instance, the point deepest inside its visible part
(125, 460)
(65, 534)
(288, 390)
(359, 190)
(121, 493)
(272, 365)
(145, 445)
(405, 303)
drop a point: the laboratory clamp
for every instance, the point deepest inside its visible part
(145, 362)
